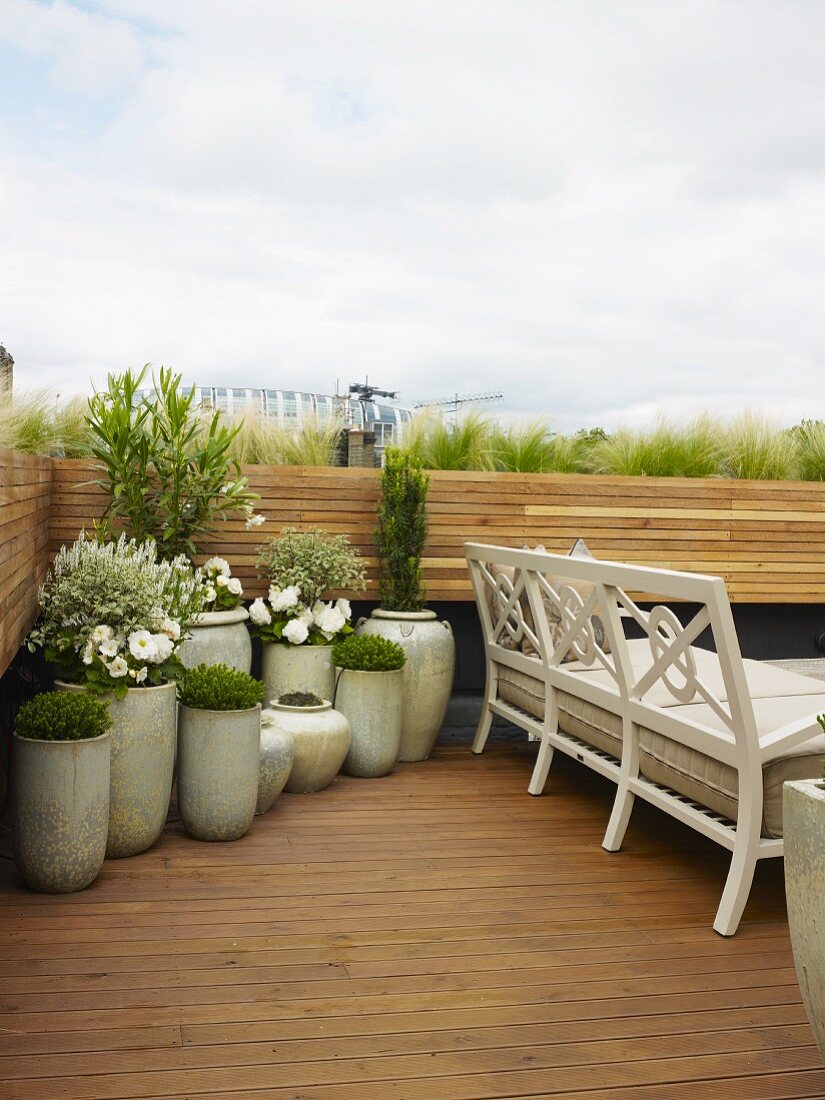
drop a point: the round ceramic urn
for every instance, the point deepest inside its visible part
(320, 740)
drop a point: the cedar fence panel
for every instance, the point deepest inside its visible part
(25, 500)
(764, 538)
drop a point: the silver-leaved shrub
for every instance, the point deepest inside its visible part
(113, 616)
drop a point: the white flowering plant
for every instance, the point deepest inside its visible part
(113, 616)
(303, 567)
(220, 591)
(284, 617)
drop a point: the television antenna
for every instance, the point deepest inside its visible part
(453, 404)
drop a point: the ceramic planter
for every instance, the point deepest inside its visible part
(429, 647)
(287, 667)
(275, 762)
(218, 755)
(803, 816)
(372, 701)
(320, 739)
(219, 637)
(60, 811)
(143, 760)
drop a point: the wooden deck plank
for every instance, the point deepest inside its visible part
(435, 935)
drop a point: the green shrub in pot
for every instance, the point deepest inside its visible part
(369, 693)
(60, 790)
(219, 746)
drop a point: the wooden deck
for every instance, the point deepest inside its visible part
(435, 935)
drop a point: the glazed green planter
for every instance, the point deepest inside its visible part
(143, 760)
(286, 668)
(218, 638)
(803, 826)
(429, 647)
(372, 701)
(60, 811)
(218, 758)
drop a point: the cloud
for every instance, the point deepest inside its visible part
(598, 211)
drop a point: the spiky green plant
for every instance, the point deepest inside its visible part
(665, 450)
(465, 445)
(402, 530)
(261, 440)
(757, 448)
(809, 437)
(72, 438)
(528, 448)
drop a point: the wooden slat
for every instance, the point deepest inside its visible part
(436, 934)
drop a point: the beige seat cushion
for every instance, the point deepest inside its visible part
(684, 770)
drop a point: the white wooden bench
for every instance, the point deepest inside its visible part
(697, 731)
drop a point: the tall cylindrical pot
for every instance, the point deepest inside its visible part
(320, 739)
(373, 703)
(277, 755)
(143, 761)
(429, 647)
(218, 755)
(218, 638)
(286, 667)
(803, 826)
(60, 811)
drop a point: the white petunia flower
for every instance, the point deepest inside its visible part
(344, 607)
(118, 668)
(164, 647)
(254, 520)
(259, 613)
(221, 581)
(102, 633)
(296, 632)
(285, 598)
(88, 653)
(171, 629)
(305, 617)
(142, 645)
(109, 648)
(141, 675)
(220, 565)
(209, 594)
(234, 586)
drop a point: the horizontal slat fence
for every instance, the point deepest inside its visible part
(765, 538)
(25, 500)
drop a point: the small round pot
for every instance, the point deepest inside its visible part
(275, 764)
(320, 739)
(218, 637)
(60, 811)
(286, 667)
(429, 647)
(143, 761)
(218, 755)
(373, 703)
(803, 826)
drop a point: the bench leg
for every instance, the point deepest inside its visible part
(486, 720)
(619, 818)
(542, 768)
(737, 886)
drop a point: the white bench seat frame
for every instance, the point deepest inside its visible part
(671, 664)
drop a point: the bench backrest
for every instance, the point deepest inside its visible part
(544, 607)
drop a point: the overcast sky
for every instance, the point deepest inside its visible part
(603, 208)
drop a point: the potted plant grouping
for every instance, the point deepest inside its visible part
(402, 617)
(296, 623)
(803, 827)
(218, 632)
(369, 692)
(219, 744)
(319, 734)
(112, 618)
(60, 790)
